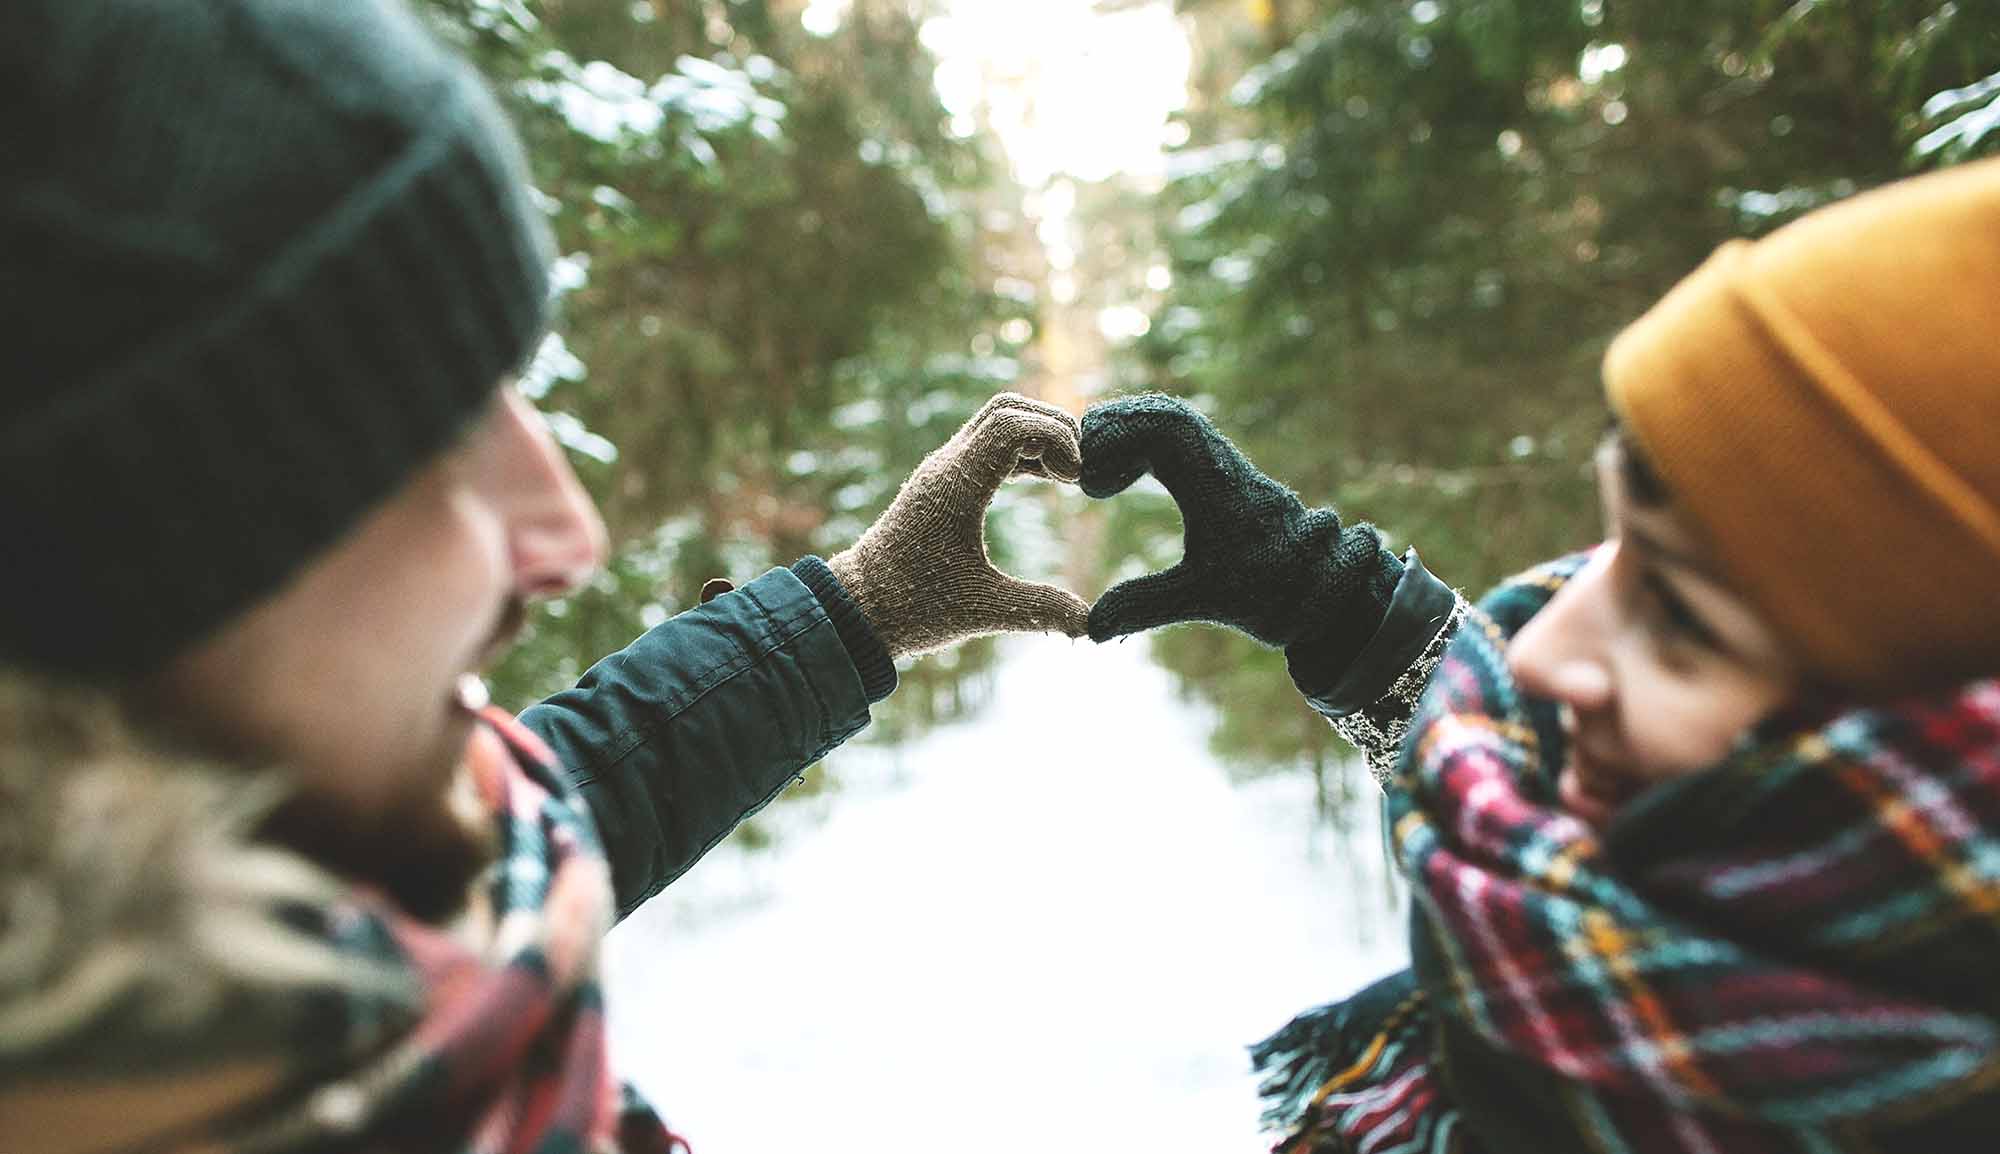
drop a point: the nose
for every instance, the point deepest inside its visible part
(1563, 652)
(555, 537)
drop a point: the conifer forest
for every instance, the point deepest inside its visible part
(1383, 243)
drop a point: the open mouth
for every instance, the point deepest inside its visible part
(1593, 793)
(469, 691)
(1589, 786)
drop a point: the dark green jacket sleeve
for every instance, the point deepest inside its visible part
(1371, 704)
(682, 734)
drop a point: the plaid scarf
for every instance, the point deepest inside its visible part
(505, 1052)
(1793, 951)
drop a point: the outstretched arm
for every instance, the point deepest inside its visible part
(698, 724)
(704, 719)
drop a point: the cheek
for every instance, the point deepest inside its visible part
(417, 595)
(451, 599)
(427, 572)
(416, 618)
(1680, 722)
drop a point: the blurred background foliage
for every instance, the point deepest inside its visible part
(1386, 255)
(1401, 233)
(773, 304)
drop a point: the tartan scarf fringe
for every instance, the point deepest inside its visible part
(1791, 951)
(1357, 1075)
(1295, 1062)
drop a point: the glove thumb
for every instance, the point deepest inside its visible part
(1032, 607)
(1144, 603)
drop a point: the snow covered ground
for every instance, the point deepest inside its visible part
(1053, 926)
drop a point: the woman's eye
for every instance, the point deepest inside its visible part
(1673, 613)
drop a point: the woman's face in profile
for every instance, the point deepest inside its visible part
(1656, 664)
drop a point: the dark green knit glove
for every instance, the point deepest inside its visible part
(1255, 558)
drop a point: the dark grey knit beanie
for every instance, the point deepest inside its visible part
(259, 261)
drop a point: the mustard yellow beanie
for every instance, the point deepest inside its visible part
(1824, 405)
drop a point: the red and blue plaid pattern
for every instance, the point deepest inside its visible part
(507, 1052)
(1768, 983)
(1795, 951)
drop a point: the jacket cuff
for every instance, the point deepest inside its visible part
(1418, 611)
(871, 657)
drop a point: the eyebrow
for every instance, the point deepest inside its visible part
(1683, 608)
(1648, 544)
(1659, 552)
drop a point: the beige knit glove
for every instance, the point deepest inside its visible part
(920, 572)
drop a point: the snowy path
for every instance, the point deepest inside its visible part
(1051, 927)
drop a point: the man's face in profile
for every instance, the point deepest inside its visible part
(353, 677)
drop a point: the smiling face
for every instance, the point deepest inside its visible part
(350, 676)
(1657, 666)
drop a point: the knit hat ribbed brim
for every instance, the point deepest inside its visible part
(354, 291)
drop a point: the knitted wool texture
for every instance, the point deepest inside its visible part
(174, 983)
(1825, 404)
(1789, 952)
(920, 573)
(264, 258)
(1255, 557)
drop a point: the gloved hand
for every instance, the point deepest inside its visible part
(1255, 558)
(920, 573)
